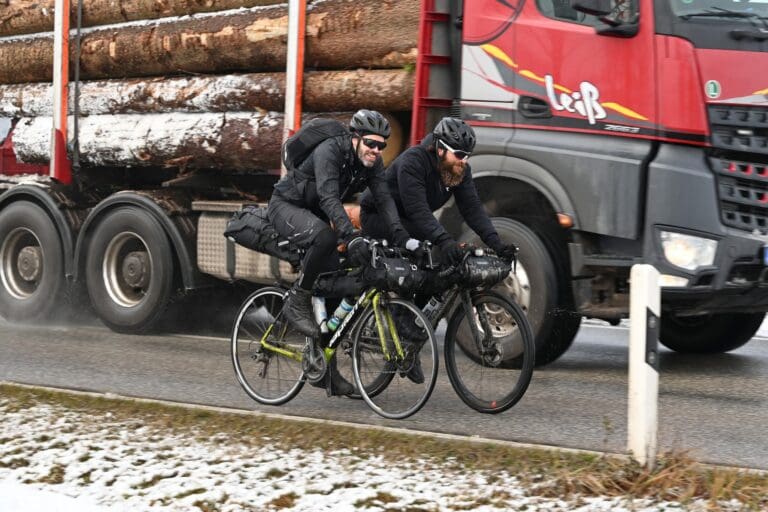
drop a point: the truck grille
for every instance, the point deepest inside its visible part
(741, 135)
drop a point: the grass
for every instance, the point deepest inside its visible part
(566, 475)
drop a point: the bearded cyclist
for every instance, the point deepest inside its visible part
(310, 197)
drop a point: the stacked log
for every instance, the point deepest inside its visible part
(203, 91)
(324, 91)
(27, 17)
(340, 35)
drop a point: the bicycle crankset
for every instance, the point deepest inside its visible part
(313, 363)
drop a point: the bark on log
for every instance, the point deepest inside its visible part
(29, 16)
(240, 141)
(341, 34)
(324, 91)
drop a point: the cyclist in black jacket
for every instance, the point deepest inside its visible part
(310, 197)
(422, 179)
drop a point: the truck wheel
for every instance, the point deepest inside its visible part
(535, 288)
(708, 334)
(129, 270)
(32, 282)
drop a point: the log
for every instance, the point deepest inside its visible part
(341, 34)
(27, 17)
(234, 141)
(324, 91)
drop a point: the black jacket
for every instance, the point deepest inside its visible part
(414, 182)
(331, 175)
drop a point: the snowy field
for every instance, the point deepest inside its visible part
(53, 459)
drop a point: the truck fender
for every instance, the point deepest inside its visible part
(484, 166)
(41, 196)
(190, 276)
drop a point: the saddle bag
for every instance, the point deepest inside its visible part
(250, 227)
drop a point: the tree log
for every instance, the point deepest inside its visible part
(239, 141)
(324, 91)
(28, 16)
(341, 34)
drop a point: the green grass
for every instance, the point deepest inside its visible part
(548, 473)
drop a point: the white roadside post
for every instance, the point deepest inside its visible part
(644, 317)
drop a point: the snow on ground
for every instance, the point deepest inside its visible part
(55, 459)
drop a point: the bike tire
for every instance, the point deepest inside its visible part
(383, 384)
(490, 387)
(267, 377)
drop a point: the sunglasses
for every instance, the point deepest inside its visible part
(374, 144)
(458, 153)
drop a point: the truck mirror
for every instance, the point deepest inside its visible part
(620, 17)
(593, 7)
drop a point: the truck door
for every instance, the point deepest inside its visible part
(593, 78)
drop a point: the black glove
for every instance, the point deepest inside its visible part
(506, 251)
(451, 252)
(417, 249)
(358, 251)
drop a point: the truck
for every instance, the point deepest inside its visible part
(610, 133)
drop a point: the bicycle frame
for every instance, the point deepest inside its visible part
(372, 296)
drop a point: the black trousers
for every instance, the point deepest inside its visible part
(306, 230)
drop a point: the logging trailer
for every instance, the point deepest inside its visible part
(610, 133)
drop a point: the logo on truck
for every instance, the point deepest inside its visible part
(584, 102)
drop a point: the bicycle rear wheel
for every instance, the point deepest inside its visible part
(395, 385)
(491, 372)
(267, 376)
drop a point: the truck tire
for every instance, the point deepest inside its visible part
(129, 270)
(708, 334)
(535, 287)
(32, 281)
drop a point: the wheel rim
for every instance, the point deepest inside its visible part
(127, 269)
(267, 378)
(518, 287)
(22, 263)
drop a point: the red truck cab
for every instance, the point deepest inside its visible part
(615, 132)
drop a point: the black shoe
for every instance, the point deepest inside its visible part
(298, 312)
(337, 385)
(415, 373)
(407, 329)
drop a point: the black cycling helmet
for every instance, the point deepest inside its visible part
(366, 122)
(456, 133)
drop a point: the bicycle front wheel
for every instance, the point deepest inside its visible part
(266, 353)
(395, 383)
(490, 360)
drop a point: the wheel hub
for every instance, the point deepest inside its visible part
(29, 263)
(21, 263)
(127, 269)
(136, 269)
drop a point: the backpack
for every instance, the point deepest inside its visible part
(299, 145)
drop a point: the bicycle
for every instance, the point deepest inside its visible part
(272, 361)
(489, 345)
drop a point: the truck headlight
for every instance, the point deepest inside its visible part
(687, 251)
(670, 281)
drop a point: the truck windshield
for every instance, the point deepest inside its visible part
(749, 11)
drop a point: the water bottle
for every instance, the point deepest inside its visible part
(321, 315)
(433, 306)
(343, 310)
